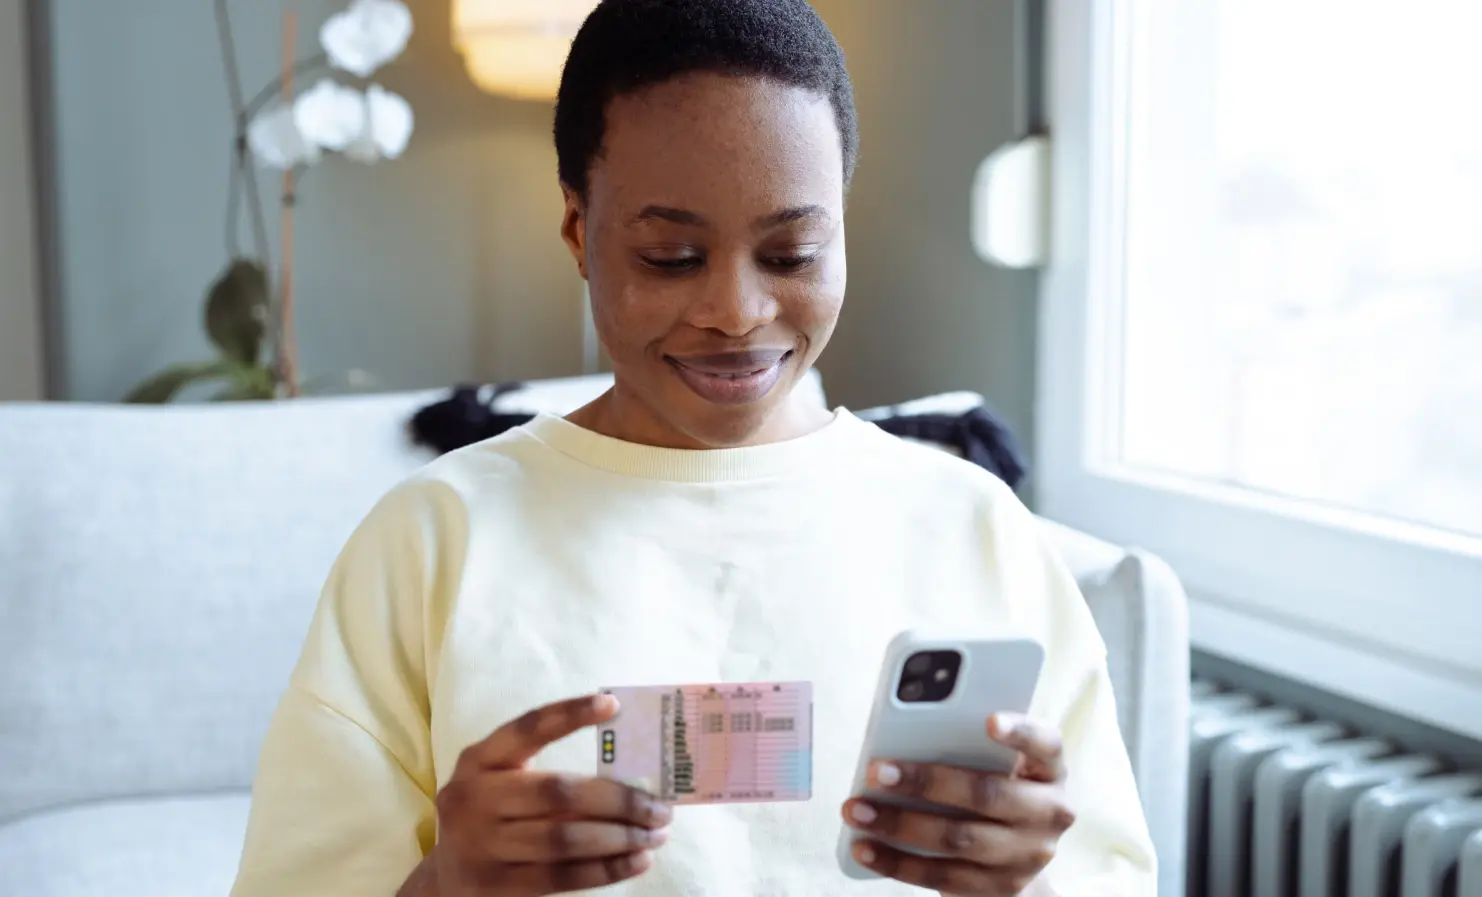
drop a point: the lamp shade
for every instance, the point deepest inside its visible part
(516, 48)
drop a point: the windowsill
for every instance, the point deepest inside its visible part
(1365, 672)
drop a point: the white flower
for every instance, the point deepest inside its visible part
(367, 35)
(388, 127)
(330, 115)
(276, 141)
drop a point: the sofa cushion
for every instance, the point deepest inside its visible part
(160, 847)
(158, 568)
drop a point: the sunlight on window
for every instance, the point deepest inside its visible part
(1303, 307)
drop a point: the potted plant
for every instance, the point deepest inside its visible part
(249, 309)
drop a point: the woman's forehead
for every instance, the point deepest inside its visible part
(728, 140)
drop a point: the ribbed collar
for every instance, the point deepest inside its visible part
(776, 459)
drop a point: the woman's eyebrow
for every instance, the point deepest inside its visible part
(670, 214)
(694, 219)
(791, 215)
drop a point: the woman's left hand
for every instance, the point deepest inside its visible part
(1016, 820)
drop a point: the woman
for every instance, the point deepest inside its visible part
(695, 524)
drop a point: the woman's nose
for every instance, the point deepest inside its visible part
(734, 301)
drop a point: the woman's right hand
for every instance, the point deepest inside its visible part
(505, 831)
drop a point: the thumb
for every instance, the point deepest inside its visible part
(1040, 751)
(512, 745)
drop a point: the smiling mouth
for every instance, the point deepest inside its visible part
(733, 378)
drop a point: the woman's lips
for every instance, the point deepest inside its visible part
(731, 378)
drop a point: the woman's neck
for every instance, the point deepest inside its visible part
(620, 414)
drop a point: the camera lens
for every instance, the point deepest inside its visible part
(929, 676)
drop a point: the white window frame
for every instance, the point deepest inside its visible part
(1373, 609)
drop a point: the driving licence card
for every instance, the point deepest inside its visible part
(709, 744)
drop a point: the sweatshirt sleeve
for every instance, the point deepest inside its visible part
(342, 802)
(1108, 852)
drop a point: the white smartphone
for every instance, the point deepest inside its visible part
(932, 705)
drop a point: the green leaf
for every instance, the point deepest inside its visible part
(242, 392)
(248, 384)
(163, 386)
(237, 311)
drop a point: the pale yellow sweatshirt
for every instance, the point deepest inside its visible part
(553, 561)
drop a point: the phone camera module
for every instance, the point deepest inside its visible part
(929, 677)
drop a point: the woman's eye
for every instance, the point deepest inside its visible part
(790, 262)
(680, 263)
(677, 264)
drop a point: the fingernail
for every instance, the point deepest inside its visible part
(887, 774)
(657, 837)
(863, 813)
(1004, 724)
(605, 703)
(867, 855)
(660, 814)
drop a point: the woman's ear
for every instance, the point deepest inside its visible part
(574, 229)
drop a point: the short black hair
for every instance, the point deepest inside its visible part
(627, 45)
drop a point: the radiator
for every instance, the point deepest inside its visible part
(1285, 805)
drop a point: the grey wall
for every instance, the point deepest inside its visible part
(934, 81)
(20, 323)
(446, 265)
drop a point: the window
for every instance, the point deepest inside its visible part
(1323, 326)
(1262, 326)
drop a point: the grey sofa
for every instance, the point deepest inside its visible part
(158, 567)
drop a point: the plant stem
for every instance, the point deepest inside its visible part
(243, 168)
(274, 87)
(287, 348)
(233, 205)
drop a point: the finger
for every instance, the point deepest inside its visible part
(531, 795)
(984, 794)
(579, 875)
(514, 743)
(1038, 743)
(946, 876)
(979, 842)
(551, 841)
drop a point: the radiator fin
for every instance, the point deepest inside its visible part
(1469, 878)
(1327, 817)
(1279, 787)
(1379, 821)
(1285, 805)
(1432, 847)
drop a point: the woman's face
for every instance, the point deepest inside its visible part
(712, 239)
